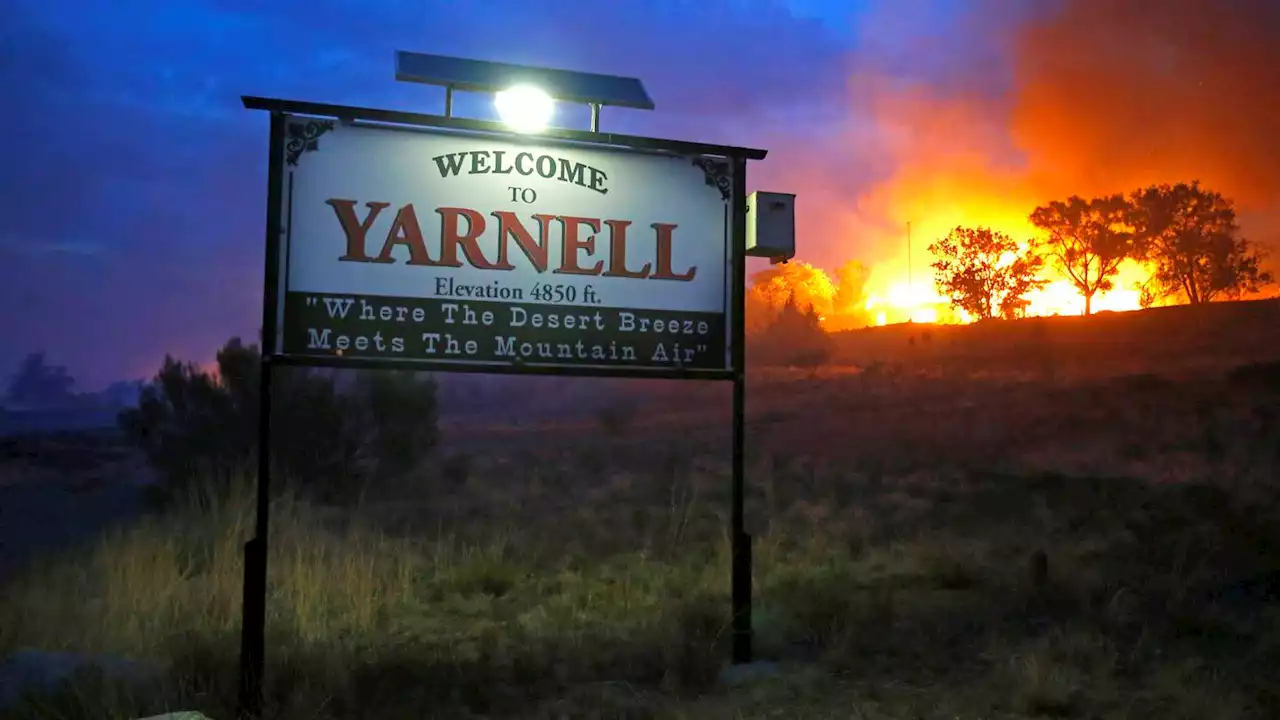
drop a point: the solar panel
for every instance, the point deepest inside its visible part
(485, 76)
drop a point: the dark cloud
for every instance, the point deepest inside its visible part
(134, 182)
(139, 181)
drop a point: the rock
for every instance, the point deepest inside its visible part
(180, 715)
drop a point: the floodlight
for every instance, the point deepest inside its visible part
(591, 89)
(525, 108)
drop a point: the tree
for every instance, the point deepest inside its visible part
(773, 287)
(400, 407)
(839, 303)
(37, 383)
(1087, 240)
(328, 436)
(1190, 234)
(985, 273)
(759, 314)
(795, 338)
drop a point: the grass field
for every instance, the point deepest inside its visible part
(930, 542)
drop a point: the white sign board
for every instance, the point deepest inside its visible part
(437, 246)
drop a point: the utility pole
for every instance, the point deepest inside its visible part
(911, 287)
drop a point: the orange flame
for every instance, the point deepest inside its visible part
(964, 153)
(905, 291)
(952, 170)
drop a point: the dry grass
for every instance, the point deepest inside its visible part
(895, 517)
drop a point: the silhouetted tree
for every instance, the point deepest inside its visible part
(1087, 240)
(842, 301)
(774, 286)
(37, 383)
(757, 312)
(985, 273)
(795, 338)
(400, 408)
(1190, 234)
(326, 438)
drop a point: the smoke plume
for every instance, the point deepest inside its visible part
(1116, 93)
(1067, 97)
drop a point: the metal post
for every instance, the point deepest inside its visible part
(448, 101)
(254, 605)
(595, 117)
(740, 542)
(254, 622)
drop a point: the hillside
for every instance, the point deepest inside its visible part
(897, 390)
(1167, 339)
(953, 529)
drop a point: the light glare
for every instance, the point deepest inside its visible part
(524, 108)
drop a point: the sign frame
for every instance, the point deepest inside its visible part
(731, 181)
(734, 169)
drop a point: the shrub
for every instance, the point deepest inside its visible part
(795, 339)
(400, 409)
(329, 436)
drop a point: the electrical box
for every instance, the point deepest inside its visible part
(771, 225)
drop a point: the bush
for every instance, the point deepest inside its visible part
(330, 437)
(794, 339)
(400, 409)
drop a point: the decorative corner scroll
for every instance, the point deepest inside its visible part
(718, 174)
(304, 137)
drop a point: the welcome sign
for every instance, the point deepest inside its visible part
(435, 246)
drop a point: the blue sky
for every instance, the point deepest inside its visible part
(134, 182)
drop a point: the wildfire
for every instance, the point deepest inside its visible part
(919, 302)
(1060, 297)
(907, 302)
(957, 151)
(903, 290)
(942, 184)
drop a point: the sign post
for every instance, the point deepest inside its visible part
(410, 241)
